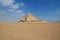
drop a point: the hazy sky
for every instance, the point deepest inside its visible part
(13, 10)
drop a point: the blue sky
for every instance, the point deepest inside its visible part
(14, 10)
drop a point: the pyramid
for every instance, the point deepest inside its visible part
(30, 18)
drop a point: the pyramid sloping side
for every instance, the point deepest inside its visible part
(30, 18)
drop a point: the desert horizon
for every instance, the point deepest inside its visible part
(30, 28)
(30, 31)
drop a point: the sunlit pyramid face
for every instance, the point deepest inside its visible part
(30, 18)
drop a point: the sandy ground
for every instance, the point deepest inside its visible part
(30, 31)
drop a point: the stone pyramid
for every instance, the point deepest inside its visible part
(30, 18)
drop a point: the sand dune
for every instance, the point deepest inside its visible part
(30, 31)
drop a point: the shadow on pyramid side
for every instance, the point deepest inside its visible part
(29, 18)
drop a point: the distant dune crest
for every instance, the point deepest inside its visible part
(30, 18)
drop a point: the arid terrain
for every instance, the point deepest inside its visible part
(30, 31)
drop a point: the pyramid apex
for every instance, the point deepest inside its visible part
(29, 14)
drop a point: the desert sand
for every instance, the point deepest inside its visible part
(30, 31)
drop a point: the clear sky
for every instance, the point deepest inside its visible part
(13, 10)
